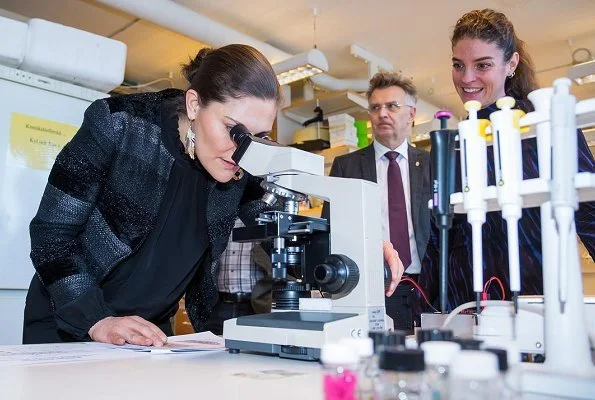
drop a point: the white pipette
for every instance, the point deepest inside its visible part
(565, 167)
(474, 181)
(509, 175)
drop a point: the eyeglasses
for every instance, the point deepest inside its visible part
(393, 107)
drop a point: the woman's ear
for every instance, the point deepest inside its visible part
(192, 104)
(513, 63)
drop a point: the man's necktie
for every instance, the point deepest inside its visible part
(397, 210)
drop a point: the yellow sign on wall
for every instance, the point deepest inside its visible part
(35, 142)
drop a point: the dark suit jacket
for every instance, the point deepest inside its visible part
(103, 197)
(361, 164)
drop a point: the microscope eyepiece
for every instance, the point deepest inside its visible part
(238, 133)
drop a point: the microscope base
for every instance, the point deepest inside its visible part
(293, 352)
(292, 334)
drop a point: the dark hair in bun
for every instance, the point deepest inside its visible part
(189, 70)
(232, 71)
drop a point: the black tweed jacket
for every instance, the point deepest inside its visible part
(103, 197)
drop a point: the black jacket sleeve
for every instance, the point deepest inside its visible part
(58, 229)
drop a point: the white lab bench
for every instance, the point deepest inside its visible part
(200, 375)
(217, 375)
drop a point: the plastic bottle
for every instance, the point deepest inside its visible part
(385, 338)
(367, 369)
(438, 356)
(339, 364)
(513, 376)
(502, 356)
(468, 344)
(402, 375)
(474, 375)
(427, 335)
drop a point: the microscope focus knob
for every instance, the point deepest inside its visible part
(337, 275)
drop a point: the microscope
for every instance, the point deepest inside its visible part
(338, 268)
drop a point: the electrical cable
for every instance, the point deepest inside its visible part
(143, 85)
(483, 303)
(419, 289)
(487, 286)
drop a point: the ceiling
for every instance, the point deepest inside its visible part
(412, 35)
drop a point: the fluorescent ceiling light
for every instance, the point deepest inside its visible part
(301, 66)
(583, 73)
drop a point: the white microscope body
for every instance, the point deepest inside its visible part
(356, 233)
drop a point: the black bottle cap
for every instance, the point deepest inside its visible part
(395, 338)
(468, 344)
(384, 338)
(398, 358)
(377, 337)
(428, 335)
(502, 357)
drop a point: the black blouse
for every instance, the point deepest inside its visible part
(152, 280)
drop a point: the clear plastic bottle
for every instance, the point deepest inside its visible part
(438, 355)
(511, 377)
(339, 364)
(367, 370)
(382, 339)
(474, 375)
(402, 375)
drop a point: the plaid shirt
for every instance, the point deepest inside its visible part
(237, 270)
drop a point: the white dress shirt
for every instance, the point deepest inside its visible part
(381, 171)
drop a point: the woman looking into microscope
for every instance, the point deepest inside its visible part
(140, 204)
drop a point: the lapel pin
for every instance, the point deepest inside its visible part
(417, 163)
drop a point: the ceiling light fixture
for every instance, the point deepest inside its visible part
(582, 70)
(304, 65)
(301, 66)
(375, 63)
(583, 73)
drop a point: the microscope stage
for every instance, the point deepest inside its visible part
(304, 320)
(291, 334)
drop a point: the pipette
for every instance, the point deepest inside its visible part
(565, 167)
(509, 175)
(442, 157)
(474, 175)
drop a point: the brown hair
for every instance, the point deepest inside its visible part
(232, 71)
(383, 80)
(494, 27)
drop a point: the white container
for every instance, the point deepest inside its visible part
(343, 137)
(14, 42)
(367, 369)
(474, 375)
(402, 375)
(512, 380)
(339, 366)
(340, 120)
(438, 356)
(74, 56)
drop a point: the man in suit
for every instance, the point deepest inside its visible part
(403, 174)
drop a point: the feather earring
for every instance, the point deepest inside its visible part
(190, 139)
